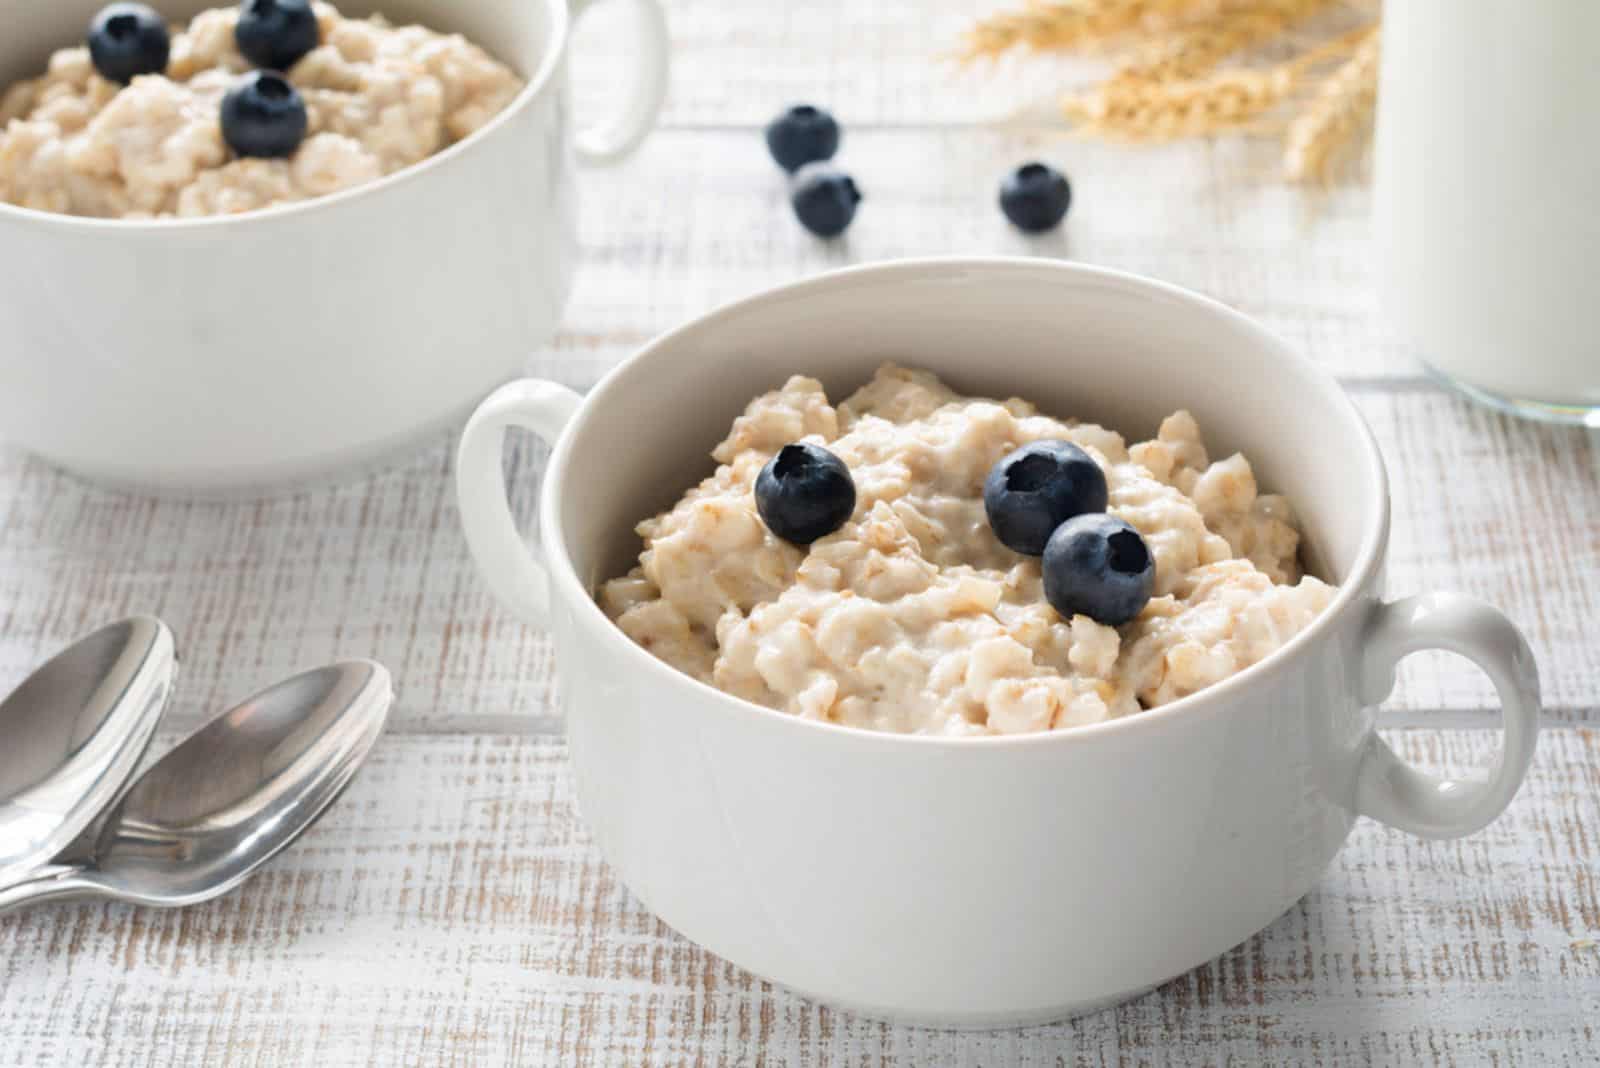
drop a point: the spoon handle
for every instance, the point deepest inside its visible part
(54, 883)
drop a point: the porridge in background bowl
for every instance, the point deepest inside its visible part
(377, 99)
(913, 616)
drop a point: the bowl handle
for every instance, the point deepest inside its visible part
(514, 573)
(613, 138)
(1390, 790)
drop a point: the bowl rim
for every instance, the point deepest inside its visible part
(555, 49)
(1357, 586)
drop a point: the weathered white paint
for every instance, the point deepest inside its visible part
(451, 909)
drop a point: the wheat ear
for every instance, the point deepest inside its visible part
(1190, 51)
(1322, 137)
(1045, 25)
(1145, 111)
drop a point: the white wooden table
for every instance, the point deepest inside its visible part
(452, 909)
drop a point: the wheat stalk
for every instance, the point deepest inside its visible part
(1149, 111)
(1153, 111)
(1190, 51)
(1322, 136)
(1045, 25)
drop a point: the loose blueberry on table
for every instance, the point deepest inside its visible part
(1098, 565)
(824, 199)
(804, 493)
(803, 134)
(1036, 488)
(1035, 197)
(127, 40)
(276, 34)
(263, 116)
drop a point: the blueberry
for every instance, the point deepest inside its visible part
(1035, 489)
(804, 493)
(263, 115)
(275, 33)
(127, 40)
(1098, 566)
(1035, 197)
(801, 135)
(824, 199)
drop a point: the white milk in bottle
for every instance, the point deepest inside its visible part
(1488, 196)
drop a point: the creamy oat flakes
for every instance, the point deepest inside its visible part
(913, 617)
(379, 98)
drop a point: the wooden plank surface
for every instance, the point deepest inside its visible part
(451, 910)
(737, 64)
(700, 217)
(883, 64)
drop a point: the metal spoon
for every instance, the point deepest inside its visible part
(74, 732)
(228, 798)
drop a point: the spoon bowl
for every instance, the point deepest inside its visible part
(74, 732)
(229, 797)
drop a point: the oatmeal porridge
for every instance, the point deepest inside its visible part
(912, 616)
(376, 99)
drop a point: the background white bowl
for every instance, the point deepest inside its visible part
(231, 354)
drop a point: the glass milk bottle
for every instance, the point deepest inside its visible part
(1488, 197)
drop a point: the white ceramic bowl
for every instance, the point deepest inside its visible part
(986, 881)
(237, 353)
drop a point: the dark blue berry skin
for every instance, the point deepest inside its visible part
(824, 199)
(1035, 489)
(805, 493)
(1035, 197)
(1098, 566)
(275, 34)
(803, 134)
(264, 116)
(127, 40)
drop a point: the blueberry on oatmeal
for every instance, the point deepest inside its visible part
(276, 34)
(1036, 488)
(803, 134)
(1035, 197)
(1099, 566)
(127, 40)
(264, 116)
(824, 199)
(804, 493)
